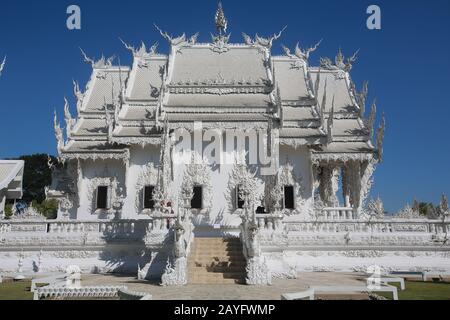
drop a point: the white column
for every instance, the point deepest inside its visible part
(2, 204)
(346, 186)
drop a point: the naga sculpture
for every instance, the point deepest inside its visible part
(300, 53)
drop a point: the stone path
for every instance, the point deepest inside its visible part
(232, 291)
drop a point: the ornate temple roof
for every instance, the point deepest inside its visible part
(222, 84)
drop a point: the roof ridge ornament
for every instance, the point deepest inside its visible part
(221, 20)
(299, 52)
(220, 41)
(2, 65)
(380, 138)
(268, 42)
(78, 95)
(102, 63)
(330, 122)
(58, 133)
(173, 41)
(142, 51)
(340, 62)
(371, 120)
(247, 39)
(361, 98)
(70, 122)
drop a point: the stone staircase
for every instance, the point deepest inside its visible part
(216, 261)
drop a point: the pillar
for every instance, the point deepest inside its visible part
(2, 204)
(346, 186)
(329, 185)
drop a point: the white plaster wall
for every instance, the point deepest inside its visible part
(300, 158)
(117, 260)
(90, 170)
(219, 176)
(357, 261)
(139, 158)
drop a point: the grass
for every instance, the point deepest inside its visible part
(19, 290)
(417, 290)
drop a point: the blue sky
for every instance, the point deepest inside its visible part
(407, 64)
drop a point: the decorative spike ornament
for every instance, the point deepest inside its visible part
(380, 138)
(330, 122)
(221, 20)
(371, 120)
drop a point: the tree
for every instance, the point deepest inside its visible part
(37, 176)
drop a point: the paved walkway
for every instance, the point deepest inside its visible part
(229, 292)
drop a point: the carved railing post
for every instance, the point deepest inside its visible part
(176, 274)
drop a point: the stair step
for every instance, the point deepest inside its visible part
(216, 241)
(217, 269)
(212, 275)
(208, 266)
(222, 281)
(227, 248)
(219, 245)
(216, 261)
(218, 255)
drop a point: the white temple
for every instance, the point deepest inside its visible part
(222, 140)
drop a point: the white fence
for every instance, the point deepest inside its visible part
(53, 292)
(311, 293)
(122, 227)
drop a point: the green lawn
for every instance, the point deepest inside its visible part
(416, 290)
(16, 290)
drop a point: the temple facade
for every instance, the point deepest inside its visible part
(225, 140)
(202, 114)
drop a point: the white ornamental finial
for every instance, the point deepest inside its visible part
(361, 98)
(58, 133)
(267, 42)
(300, 53)
(79, 95)
(221, 20)
(380, 138)
(371, 120)
(100, 64)
(330, 122)
(68, 118)
(2, 66)
(172, 40)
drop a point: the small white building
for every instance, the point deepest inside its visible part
(11, 176)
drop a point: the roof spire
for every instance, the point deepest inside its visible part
(221, 20)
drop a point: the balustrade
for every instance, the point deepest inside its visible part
(376, 226)
(269, 222)
(338, 214)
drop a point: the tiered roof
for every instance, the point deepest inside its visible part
(223, 85)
